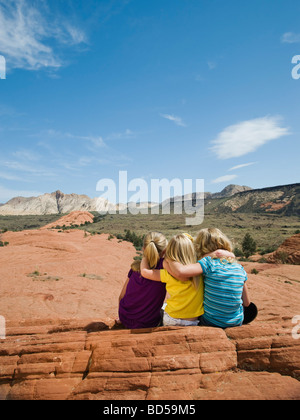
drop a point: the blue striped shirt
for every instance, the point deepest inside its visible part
(223, 288)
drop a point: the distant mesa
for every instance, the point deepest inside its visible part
(281, 200)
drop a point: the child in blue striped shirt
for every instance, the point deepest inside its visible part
(225, 289)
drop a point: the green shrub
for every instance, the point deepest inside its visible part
(137, 241)
(238, 252)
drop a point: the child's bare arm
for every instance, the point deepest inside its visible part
(182, 272)
(246, 296)
(149, 273)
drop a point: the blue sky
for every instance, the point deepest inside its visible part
(162, 89)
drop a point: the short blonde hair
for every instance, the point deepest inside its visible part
(210, 240)
(155, 244)
(181, 249)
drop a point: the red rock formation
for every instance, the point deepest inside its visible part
(67, 360)
(288, 252)
(83, 273)
(72, 219)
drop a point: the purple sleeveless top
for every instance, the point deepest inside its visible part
(141, 305)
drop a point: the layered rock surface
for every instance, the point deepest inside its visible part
(59, 297)
(81, 360)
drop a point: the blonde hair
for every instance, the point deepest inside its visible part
(181, 249)
(210, 240)
(155, 244)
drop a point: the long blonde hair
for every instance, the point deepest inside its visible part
(210, 240)
(181, 249)
(155, 244)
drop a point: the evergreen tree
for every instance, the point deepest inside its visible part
(248, 245)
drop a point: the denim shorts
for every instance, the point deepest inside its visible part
(171, 322)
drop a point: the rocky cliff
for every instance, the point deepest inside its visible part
(54, 203)
(231, 190)
(234, 198)
(282, 200)
(288, 252)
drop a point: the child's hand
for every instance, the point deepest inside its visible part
(222, 253)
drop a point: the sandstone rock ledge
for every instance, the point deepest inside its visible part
(76, 360)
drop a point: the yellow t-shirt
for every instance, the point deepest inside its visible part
(185, 301)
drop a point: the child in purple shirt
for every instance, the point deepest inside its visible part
(141, 299)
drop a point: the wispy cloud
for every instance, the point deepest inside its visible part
(290, 38)
(127, 134)
(96, 141)
(173, 118)
(246, 137)
(9, 177)
(7, 194)
(20, 166)
(26, 33)
(26, 155)
(244, 165)
(211, 65)
(225, 178)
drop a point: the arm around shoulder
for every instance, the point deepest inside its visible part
(181, 271)
(149, 273)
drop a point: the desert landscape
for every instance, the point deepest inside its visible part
(123, 117)
(59, 295)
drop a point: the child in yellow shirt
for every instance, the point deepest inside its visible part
(185, 303)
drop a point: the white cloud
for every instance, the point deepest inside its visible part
(176, 120)
(25, 33)
(244, 165)
(290, 38)
(225, 178)
(246, 137)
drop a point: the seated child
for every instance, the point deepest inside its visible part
(225, 291)
(185, 302)
(141, 299)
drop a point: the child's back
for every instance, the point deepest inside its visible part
(142, 299)
(224, 282)
(185, 302)
(141, 305)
